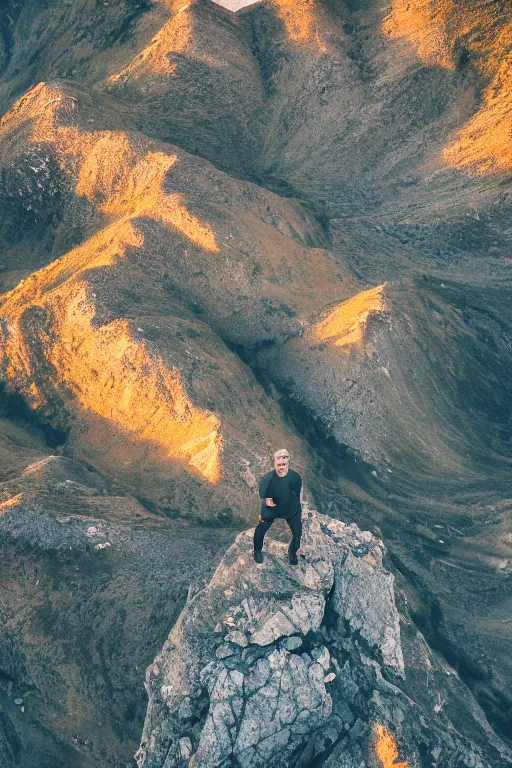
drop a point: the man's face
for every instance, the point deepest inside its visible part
(281, 461)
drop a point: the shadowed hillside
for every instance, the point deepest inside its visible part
(221, 233)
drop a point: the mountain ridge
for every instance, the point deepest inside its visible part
(226, 232)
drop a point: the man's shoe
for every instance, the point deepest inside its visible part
(292, 558)
(258, 557)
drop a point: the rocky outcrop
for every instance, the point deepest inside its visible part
(281, 665)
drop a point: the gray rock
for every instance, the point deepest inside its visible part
(364, 596)
(185, 711)
(257, 704)
(185, 748)
(223, 651)
(237, 637)
(257, 676)
(292, 643)
(322, 656)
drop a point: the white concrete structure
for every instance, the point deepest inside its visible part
(235, 5)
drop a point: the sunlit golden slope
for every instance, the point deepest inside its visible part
(164, 274)
(301, 21)
(189, 77)
(411, 99)
(154, 60)
(403, 372)
(429, 27)
(352, 105)
(110, 173)
(386, 749)
(248, 244)
(484, 144)
(345, 324)
(441, 34)
(72, 343)
(110, 373)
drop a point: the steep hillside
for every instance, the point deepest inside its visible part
(90, 583)
(111, 330)
(416, 376)
(222, 233)
(398, 96)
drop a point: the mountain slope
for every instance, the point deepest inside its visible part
(222, 233)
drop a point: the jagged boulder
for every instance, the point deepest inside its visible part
(275, 665)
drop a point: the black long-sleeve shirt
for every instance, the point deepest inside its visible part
(284, 490)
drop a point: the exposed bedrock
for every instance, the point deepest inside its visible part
(281, 665)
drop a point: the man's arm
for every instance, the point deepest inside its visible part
(297, 488)
(263, 485)
(297, 484)
(263, 490)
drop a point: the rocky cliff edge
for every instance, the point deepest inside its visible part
(280, 666)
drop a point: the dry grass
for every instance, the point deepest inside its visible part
(109, 372)
(149, 404)
(153, 60)
(484, 144)
(118, 180)
(345, 324)
(426, 26)
(301, 19)
(438, 31)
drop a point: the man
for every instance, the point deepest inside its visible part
(280, 491)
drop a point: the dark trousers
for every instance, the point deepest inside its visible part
(295, 524)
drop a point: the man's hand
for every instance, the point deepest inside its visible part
(270, 502)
